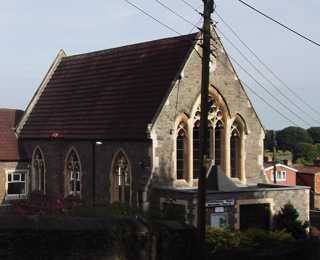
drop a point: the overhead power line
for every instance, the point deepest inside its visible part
(177, 14)
(292, 92)
(192, 7)
(254, 92)
(152, 17)
(265, 77)
(281, 24)
(267, 90)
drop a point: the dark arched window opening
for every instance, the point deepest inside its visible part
(180, 154)
(218, 143)
(121, 179)
(196, 146)
(235, 154)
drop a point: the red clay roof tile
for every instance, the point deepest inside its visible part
(108, 94)
(8, 140)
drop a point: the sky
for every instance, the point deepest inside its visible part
(32, 32)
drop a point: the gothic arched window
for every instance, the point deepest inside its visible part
(196, 147)
(235, 143)
(218, 135)
(73, 173)
(180, 154)
(38, 171)
(121, 179)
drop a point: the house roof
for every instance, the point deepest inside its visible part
(269, 165)
(308, 169)
(8, 140)
(108, 94)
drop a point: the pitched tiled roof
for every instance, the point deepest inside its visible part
(268, 165)
(108, 94)
(312, 169)
(8, 141)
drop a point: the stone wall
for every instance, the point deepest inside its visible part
(275, 197)
(182, 101)
(55, 152)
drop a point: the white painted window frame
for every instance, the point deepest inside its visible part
(26, 181)
(283, 175)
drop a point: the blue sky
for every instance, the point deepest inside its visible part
(32, 32)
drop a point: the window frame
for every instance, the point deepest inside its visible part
(12, 172)
(70, 180)
(283, 175)
(36, 185)
(121, 178)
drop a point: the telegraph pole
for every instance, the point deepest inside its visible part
(274, 156)
(201, 219)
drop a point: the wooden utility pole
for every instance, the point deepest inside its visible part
(201, 218)
(274, 156)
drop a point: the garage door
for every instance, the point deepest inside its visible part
(255, 216)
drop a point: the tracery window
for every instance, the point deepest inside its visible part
(73, 173)
(214, 135)
(196, 146)
(38, 171)
(121, 179)
(180, 154)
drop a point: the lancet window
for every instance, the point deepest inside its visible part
(121, 179)
(38, 171)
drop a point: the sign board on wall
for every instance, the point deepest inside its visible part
(219, 203)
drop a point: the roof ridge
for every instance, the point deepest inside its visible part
(133, 45)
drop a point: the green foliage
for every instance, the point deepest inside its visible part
(221, 240)
(304, 144)
(289, 137)
(287, 220)
(258, 238)
(305, 151)
(314, 132)
(218, 240)
(268, 140)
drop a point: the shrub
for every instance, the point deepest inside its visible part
(287, 219)
(259, 238)
(219, 241)
(38, 203)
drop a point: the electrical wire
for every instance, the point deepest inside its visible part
(192, 7)
(267, 67)
(152, 17)
(266, 90)
(176, 14)
(281, 24)
(267, 79)
(292, 92)
(170, 28)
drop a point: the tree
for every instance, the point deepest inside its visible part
(268, 140)
(314, 132)
(288, 219)
(306, 152)
(290, 137)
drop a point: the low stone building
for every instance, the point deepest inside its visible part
(14, 167)
(123, 125)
